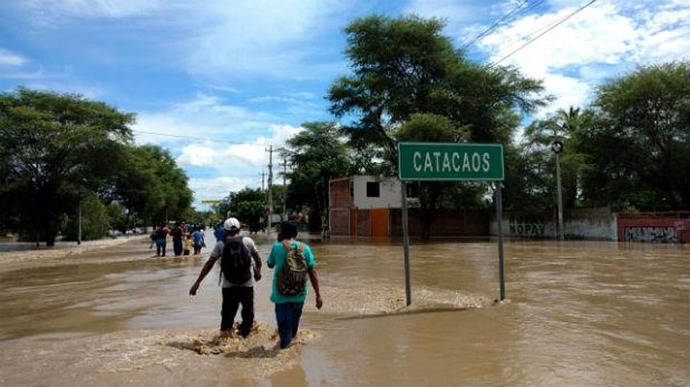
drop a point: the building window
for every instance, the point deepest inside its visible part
(373, 190)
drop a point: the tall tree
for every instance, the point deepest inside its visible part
(55, 149)
(248, 205)
(562, 126)
(315, 155)
(152, 186)
(637, 153)
(405, 66)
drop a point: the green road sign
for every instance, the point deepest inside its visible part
(450, 161)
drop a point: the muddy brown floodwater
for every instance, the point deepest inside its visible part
(578, 313)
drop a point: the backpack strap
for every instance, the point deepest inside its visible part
(288, 246)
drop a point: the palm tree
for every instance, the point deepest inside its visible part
(563, 125)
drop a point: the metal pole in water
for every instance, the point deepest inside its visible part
(561, 232)
(499, 219)
(406, 243)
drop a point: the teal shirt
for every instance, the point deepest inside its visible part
(277, 258)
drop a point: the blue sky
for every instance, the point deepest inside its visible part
(219, 81)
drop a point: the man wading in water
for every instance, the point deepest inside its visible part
(293, 261)
(177, 235)
(238, 287)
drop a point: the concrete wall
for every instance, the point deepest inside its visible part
(389, 190)
(588, 223)
(653, 229)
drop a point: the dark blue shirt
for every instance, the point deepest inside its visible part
(219, 233)
(198, 237)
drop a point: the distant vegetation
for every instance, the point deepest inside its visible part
(58, 151)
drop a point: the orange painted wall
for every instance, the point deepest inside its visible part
(379, 222)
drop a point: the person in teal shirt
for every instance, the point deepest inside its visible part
(289, 308)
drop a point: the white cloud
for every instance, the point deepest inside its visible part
(255, 153)
(204, 118)
(213, 138)
(198, 155)
(219, 187)
(296, 103)
(52, 11)
(227, 89)
(8, 58)
(261, 37)
(217, 39)
(599, 42)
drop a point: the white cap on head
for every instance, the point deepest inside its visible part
(231, 224)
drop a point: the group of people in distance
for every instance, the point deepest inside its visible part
(185, 238)
(240, 263)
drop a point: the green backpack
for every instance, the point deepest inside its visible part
(293, 275)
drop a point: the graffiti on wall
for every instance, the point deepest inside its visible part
(526, 227)
(651, 234)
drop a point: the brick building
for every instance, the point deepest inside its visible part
(370, 206)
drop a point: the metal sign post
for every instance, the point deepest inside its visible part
(424, 161)
(499, 220)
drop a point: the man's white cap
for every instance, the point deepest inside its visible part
(231, 224)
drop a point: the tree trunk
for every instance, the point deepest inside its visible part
(427, 218)
(430, 193)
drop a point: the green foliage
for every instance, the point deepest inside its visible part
(55, 148)
(95, 221)
(563, 126)
(410, 83)
(117, 215)
(430, 127)
(200, 217)
(316, 155)
(405, 66)
(152, 186)
(637, 151)
(248, 206)
(529, 181)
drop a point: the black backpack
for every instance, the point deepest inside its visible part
(236, 263)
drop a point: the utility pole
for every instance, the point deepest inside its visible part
(285, 216)
(557, 148)
(270, 185)
(263, 177)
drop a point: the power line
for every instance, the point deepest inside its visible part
(542, 34)
(493, 26)
(528, 35)
(504, 20)
(189, 137)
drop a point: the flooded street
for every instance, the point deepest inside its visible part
(579, 313)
